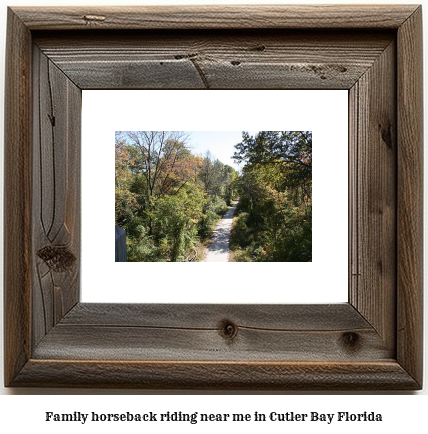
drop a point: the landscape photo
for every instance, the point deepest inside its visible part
(213, 196)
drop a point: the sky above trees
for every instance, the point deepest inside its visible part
(221, 144)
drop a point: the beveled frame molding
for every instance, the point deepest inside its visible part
(372, 342)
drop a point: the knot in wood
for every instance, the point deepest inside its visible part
(89, 18)
(386, 134)
(227, 329)
(351, 340)
(257, 48)
(185, 56)
(58, 259)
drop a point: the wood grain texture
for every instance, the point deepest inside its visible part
(373, 168)
(385, 375)
(56, 194)
(199, 332)
(210, 316)
(410, 197)
(216, 59)
(374, 342)
(217, 17)
(17, 198)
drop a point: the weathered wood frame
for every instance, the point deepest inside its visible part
(372, 342)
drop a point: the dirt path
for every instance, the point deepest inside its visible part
(218, 250)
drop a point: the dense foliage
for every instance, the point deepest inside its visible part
(167, 199)
(274, 217)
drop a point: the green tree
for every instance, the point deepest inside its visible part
(167, 199)
(275, 210)
(125, 203)
(289, 150)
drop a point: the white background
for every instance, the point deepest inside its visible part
(401, 413)
(325, 113)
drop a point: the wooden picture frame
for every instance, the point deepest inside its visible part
(372, 342)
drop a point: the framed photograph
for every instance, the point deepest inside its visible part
(372, 341)
(258, 256)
